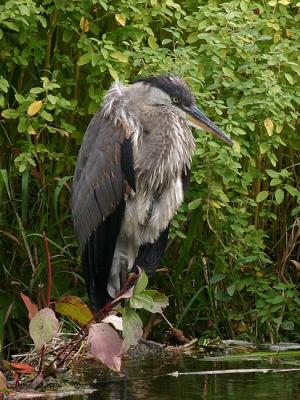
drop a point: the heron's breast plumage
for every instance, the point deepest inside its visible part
(161, 155)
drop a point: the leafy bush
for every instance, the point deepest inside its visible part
(236, 241)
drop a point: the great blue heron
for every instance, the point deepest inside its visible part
(131, 174)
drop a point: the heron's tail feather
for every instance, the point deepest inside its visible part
(150, 254)
(98, 256)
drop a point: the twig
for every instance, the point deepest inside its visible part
(42, 358)
(82, 333)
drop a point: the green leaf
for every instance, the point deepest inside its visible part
(132, 328)
(239, 131)
(228, 72)
(262, 196)
(289, 78)
(52, 99)
(264, 147)
(119, 56)
(61, 183)
(276, 300)
(160, 300)
(4, 176)
(231, 290)
(4, 85)
(36, 90)
(67, 35)
(10, 113)
(192, 37)
(11, 25)
(275, 182)
(296, 68)
(152, 42)
(272, 174)
(149, 31)
(47, 116)
(141, 300)
(292, 190)
(217, 278)
(114, 74)
(23, 125)
(141, 284)
(84, 59)
(279, 196)
(180, 234)
(288, 325)
(194, 204)
(222, 296)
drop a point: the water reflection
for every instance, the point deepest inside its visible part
(149, 380)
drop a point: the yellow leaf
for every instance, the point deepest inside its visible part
(284, 2)
(121, 19)
(152, 43)
(170, 3)
(114, 74)
(269, 126)
(215, 204)
(74, 308)
(289, 33)
(236, 147)
(31, 130)
(84, 24)
(276, 38)
(120, 56)
(34, 108)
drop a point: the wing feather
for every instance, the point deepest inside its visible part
(98, 202)
(98, 185)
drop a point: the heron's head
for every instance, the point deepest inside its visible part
(173, 92)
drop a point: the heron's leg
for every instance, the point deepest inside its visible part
(114, 283)
(123, 274)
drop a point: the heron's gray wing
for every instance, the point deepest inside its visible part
(98, 180)
(97, 201)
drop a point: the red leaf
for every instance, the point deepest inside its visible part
(31, 307)
(106, 345)
(22, 368)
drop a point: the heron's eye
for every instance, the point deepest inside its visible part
(175, 100)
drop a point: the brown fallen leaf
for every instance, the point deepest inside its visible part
(3, 381)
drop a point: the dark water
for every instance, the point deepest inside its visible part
(149, 379)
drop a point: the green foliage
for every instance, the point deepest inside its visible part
(236, 234)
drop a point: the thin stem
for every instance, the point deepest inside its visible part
(49, 268)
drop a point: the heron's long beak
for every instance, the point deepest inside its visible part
(199, 120)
